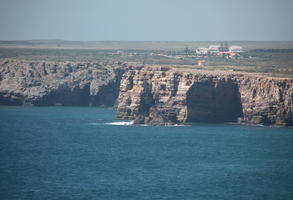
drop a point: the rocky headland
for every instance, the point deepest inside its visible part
(161, 96)
(60, 83)
(150, 95)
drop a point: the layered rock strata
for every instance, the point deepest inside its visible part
(162, 96)
(150, 95)
(60, 83)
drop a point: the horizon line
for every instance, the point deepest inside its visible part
(36, 40)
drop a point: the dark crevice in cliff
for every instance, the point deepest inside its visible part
(107, 95)
(207, 102)
(175, 83)
(66, 97)
(146, 102)
(10, 99)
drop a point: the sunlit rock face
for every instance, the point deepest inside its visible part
(150, 95)
(267, 101)
(161, 96)
(60, 83)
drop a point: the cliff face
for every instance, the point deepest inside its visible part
(162, 96)
(69, 84)
(150, 95)
(267, 101)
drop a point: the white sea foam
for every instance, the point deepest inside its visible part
(129, 123)
(123, 123)
(177, 125)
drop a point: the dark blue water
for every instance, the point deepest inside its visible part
(71, 153)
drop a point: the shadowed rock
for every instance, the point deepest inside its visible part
(209, 101)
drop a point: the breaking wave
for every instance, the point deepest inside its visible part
(123, 123)
(129, 123)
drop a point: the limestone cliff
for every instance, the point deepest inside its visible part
(60, 83)
(153, 95)
(163, 96)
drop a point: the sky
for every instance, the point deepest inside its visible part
(146, 20)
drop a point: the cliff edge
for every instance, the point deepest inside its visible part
(160, 96)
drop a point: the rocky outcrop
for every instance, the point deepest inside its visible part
(60, 83)
(161, 96)
(151, 95)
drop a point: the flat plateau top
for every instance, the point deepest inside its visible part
(213, 72)
(138, 45)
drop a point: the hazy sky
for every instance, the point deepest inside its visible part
(181, 20)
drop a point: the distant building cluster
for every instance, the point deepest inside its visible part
(220, 50)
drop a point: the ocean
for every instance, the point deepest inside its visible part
(84, 153)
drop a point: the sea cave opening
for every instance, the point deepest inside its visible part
(214, 102)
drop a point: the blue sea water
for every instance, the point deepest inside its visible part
(78, 153)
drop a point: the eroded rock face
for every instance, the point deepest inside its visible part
(66, 83)
(267, 101)
(160, 96)
(150, 95)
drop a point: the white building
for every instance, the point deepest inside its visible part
(214, 48)
(202, 51)
(236, 48)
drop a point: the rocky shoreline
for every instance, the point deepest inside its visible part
(150, 95)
